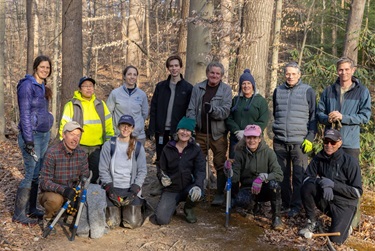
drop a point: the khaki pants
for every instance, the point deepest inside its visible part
(52, 202)
(219, 148)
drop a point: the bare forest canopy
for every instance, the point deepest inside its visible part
(100, 38)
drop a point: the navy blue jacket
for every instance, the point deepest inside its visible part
(33, 107)
(188, 168)
(160, 101)
(355, 110)
(343, 170)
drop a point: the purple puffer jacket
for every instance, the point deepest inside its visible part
(33, 106)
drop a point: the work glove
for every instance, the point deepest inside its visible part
(165, 180)
(257, 185)
(29, 148)
(70, 193)
(263, 177)
(195, 193)
(134, 189)
(207, 107)
(325, 182)
(307, 146)
(239, 134)
(116, 200)
(228, 168)
(328, 193)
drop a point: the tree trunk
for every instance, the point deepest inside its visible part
(72, 58)
(133, 55)
(255, 41)
(147, 34)
(2, 67)
(91, 37)
(55, 73)
(334, 27)
(275, 47)
(305, 31)
(30, 36)
(353, 29)
(225, 32)
(182, 33)
(199, 40)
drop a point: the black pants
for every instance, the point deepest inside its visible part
(341, 214)
(159, 147)
(93, 155)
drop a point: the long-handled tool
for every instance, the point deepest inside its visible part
(208, 160)
(229, 172)
(310, 235)
(49, 228)
(86, 183)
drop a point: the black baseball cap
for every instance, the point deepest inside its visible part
(332, 134)
(83, 79)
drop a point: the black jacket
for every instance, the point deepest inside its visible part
(184, 170)
(160, 101)
(343, 170)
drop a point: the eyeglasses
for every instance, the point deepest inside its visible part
(87, 86)
(333, 143)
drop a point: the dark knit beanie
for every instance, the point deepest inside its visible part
(186, 123)
(246, 76)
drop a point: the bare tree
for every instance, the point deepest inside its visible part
(30, 36)
(226, 31)
(353, 29)
(275, 47)
(255, 41)
(182, 33)
(133, 54)
(2, 66)
(72, 58)
(199, 40)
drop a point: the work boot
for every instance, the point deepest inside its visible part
(277, 223)
(357, 217)
(220, 184)
(22, 198)
(218, 200)
(132, 216)
(189, 211)
(33, 211)
(113, 217)
(311, 227)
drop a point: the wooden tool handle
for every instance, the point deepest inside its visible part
(327, 234)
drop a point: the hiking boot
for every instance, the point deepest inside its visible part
(311, 227)
(218, 200)
(277, 224)
(293, 212)
(189, 211)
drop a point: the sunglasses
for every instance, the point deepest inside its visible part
(326, 142)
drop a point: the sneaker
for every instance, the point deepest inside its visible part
(311, 227)
(293, 212)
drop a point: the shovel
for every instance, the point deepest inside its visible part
(310, 235)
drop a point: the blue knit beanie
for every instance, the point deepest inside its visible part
(246, 76)
(186, 123)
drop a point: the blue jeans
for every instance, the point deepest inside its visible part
(32, 168)
(293, 163)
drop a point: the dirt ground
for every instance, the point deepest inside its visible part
(244, 233)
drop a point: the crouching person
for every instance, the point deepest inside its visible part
(332, 184)
(64, 164)
(259, 174)
(122, 171)
(181, 172)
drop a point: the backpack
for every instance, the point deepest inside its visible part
(113, 147)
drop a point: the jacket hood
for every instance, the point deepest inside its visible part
(322, 156)
(27, 77)
(78, 95)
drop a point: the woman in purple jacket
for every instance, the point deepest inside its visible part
(35, 124)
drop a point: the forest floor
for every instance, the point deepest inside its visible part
(209, 233)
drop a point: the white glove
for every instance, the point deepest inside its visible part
(165, 180)
(263, 177)
(239, 134)
(195, 193)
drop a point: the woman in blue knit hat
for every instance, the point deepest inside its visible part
(181, 172)
(248, 108)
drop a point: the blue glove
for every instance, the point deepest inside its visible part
(325, 182)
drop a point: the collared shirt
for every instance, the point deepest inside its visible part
(62, 168)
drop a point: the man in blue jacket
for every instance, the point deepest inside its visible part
(346, 105)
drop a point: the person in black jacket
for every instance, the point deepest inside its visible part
(168, 105)
(333, 184)
(182, 172)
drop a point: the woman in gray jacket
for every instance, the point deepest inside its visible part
(122, 171)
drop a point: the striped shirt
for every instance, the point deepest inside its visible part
(62, 169)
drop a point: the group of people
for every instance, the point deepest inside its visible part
(186, 122)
